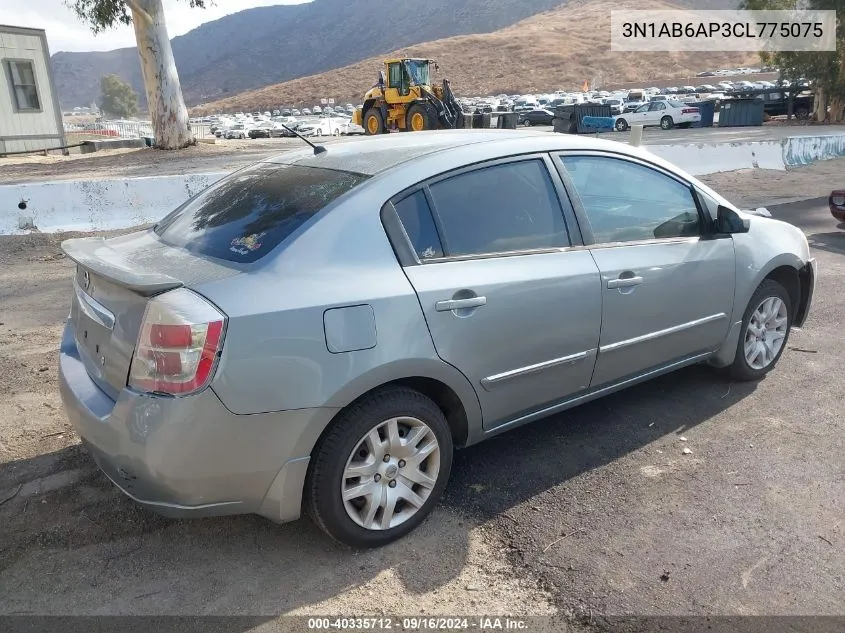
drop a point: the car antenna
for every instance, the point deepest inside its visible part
(318, 149)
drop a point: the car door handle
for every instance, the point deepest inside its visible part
(458, 304)
(624, 282)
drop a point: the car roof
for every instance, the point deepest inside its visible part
(374, 155)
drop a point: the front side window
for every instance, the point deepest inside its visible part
(657, 105)
(625, 201)
(643, 108)
(509, 207)
(23, 86)
(244, 216)
(395, 78)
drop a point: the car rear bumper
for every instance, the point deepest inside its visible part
(191, 456)
(807, 276)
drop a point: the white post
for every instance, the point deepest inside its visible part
(636, 135)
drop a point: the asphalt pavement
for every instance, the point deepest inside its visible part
(656, 136)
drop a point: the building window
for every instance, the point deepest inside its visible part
(22, 82)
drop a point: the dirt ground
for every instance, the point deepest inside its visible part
(756, 187)
(585, 515)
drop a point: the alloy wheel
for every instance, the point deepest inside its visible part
(765, 333)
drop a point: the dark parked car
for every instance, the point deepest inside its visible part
(265, 131)
(777, 104)
(536, 117)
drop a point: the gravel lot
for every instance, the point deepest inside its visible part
(589, 514)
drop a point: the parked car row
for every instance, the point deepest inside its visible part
(282, 126)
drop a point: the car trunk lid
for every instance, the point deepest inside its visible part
(114, 280)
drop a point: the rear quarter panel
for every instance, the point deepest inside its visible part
(275, 356)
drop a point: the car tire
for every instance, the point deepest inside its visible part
(771, 299)
(666, 123)
(527, 123)
(802, 112)
(621, 125)
(347, 447)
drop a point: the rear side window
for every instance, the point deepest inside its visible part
(415, 215)
(245, 215)
(510, 207)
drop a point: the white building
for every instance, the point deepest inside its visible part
(30, 117)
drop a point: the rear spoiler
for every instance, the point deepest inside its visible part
(94, 254)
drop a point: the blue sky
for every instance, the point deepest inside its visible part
(65, 33)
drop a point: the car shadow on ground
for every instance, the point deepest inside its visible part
(512, 468)
(833, 242)
(68, 531)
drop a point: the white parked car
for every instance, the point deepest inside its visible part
(616, 105)
(353, 128)
(238, 130)
(666, 114)
(324, 126)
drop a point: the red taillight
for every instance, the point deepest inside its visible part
(689, 111)
(163, 335)
(180, 339)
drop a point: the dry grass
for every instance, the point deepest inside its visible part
(557, 49)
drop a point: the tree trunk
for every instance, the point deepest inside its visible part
(169, 115)
(820, 105)
(836, 110)
(837, 103)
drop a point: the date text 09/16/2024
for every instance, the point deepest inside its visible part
(419, 623)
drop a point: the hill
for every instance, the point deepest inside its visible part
(266, 45)
(556, 49)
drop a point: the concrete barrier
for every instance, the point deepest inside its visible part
(803, 150)
(90, 205)
(88, 147)
(708, 158)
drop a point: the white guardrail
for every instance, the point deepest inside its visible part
(107, 204)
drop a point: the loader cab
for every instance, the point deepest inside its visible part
(403, 74)
(398, 78)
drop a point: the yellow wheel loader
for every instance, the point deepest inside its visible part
(405, 99)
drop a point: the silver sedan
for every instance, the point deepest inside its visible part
(324, 329)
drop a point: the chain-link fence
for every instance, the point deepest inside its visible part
(104, 129)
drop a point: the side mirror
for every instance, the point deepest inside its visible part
(729, 221)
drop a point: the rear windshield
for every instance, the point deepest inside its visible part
(244, 216)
